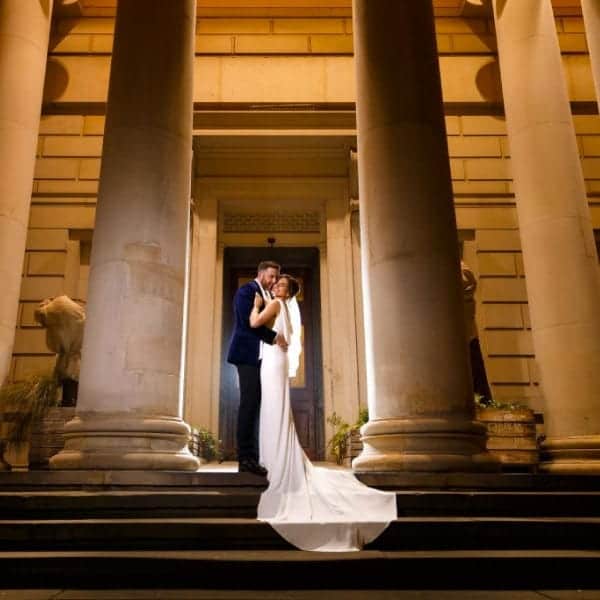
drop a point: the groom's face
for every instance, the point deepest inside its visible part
(268, 277)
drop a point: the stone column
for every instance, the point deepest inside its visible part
(591, 16)
(418, 382)
(559, 253)
(129, 413)
(24, 31)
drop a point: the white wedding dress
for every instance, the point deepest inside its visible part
(313, 508)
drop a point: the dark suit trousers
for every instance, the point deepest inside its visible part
(480, 381)
(249, 412)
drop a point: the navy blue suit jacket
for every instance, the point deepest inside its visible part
(245, 341)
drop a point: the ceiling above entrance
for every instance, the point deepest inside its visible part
(292, 8)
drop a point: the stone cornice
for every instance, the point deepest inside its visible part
(293, 8)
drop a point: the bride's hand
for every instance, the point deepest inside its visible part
(258, 301)
(281, 342)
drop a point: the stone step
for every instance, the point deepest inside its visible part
(242, 502)
(498, 503)
(284, 570)
(97, 479)
(78, 504)
(142, 534)
(140, 529)
(408, 533)
(214, 477)
(522, 481)
(490, 533)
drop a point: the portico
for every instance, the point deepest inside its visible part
(293, 156)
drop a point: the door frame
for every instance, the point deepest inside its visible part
(238, 258)
(339, 284)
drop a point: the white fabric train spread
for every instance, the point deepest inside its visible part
(313, 508)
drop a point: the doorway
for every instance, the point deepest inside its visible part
(239, 266)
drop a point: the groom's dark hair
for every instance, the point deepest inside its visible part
(268, 264)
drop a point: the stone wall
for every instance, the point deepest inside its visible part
(60, 227)
(297, 36)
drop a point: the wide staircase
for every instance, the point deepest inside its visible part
(128, 529)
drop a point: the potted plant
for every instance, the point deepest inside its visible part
(24, 404)
(511, 433)
(204, 444)
(345, 443)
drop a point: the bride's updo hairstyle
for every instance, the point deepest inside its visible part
(293, 285)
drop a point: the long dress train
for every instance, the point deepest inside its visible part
(314, 508)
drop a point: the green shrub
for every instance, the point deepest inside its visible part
(338, 444)
(483, 402)
(205, 444)
(27, 401)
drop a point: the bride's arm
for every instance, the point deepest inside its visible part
(270, 312)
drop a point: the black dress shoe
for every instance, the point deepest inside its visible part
(249, 465)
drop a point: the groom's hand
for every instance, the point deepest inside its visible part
(280, 341)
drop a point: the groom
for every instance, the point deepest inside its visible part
(245, 353)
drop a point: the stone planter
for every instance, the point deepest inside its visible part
(47, 436)
(4, 465)
(511, 437)
(195, 445)
(15, 454)
(353, 447)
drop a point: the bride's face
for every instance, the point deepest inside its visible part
(281, 288)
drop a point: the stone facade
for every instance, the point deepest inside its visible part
(268, 61)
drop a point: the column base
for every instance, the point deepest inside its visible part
(424, 445)
(121, 441)
(574, 455)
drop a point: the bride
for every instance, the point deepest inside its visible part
(313, 508)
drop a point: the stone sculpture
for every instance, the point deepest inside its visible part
(64, 320)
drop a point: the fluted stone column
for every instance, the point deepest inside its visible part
(418, 381)
(559, 253)
(128, 413)
(24, 31)
(591, 17)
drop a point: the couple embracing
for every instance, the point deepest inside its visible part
(314, 508)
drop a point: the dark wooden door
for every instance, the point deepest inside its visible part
(302, 263)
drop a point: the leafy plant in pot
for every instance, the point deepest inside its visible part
(23, 403)
(205, 445)
(511, 432)
(345, 442)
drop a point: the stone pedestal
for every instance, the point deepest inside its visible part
(559, 253)
(24, 31)
(129, 412)
(418, 381)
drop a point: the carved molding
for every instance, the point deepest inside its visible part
(273, 222)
